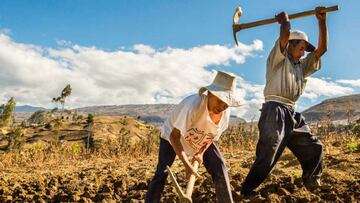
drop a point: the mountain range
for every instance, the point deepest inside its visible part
(339, 108)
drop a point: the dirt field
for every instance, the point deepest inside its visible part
(125, 179)
(107, 176)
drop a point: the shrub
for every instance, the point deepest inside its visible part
(90, 119)
(123, 121)
(356, 130)
(75, 148)
(38, 147)
(16, 139)
(6, 112)
(47, 126)
(54, 110)
(353, 147)
(37, 117)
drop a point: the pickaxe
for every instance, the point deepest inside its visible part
(185, 197)
(238, 12)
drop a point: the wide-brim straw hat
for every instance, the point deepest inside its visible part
(223, 87)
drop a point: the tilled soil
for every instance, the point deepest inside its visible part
(125, 179)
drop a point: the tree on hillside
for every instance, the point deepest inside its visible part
(6, 112)
(56, 100)
(349, 111)
(90, 123)
(66, 92)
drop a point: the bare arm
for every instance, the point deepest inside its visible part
(322, 43)
(179, 150)
(283, 20)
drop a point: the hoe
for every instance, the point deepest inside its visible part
(185, 197)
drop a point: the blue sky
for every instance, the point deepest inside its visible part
(105, 48)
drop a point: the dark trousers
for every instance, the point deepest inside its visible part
(213, 162)
(281, 127)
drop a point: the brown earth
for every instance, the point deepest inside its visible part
(49, 175)
(126, 180)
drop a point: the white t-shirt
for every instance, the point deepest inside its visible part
(191, 118)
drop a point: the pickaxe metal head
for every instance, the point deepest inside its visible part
(236, 18)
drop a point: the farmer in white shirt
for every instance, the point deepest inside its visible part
(191, 130)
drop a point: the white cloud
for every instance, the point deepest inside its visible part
(64, 43)
(144, 49)
(316, 87)
(33, 74)
(26, 74)
(253, 96)
(139, 75)
(354, 83)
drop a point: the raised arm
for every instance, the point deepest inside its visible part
(323, 35)
(283, 20)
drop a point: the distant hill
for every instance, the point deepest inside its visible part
(152, 113)
(27, 108)
(337, 108)
(24, 112)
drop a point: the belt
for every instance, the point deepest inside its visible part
(280, 99)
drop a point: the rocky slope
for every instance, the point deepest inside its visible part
(336, 108)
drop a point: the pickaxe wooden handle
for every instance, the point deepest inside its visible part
(191, 183)
(185, 197)
(238, 12)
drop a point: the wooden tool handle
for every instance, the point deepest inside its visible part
(190, 185)
(177, 186)
(292, 16)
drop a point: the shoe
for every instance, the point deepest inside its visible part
(312, 184)
(248, 194)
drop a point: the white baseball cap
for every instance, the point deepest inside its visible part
(300, 35)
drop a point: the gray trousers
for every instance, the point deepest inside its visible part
(213, 162)
(281, 127)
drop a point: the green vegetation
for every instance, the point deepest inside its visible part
(90, 119)
(353, 146)
(124, 121)
(66, 92)
(37, 117)
(356, 130)
(6, 112)
(38, 147)
(75, 148)
(17, 138)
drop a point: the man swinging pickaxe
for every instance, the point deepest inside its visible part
(238, 12)
(287, 68)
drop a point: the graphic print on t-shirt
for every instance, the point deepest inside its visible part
(198, 138)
